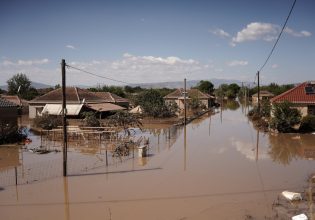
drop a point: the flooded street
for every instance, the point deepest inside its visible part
(218, 167)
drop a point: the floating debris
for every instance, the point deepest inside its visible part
(300, 217)
(292, 195)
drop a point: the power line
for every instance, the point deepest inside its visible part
(274, 46)
(94, 74)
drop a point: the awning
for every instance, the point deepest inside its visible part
(105, 107)
(56, 109)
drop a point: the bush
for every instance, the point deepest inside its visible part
(90, 120)
(285, 117)
(47, 121)
(308, 123)
(10, 133)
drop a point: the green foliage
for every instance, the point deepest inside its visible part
(284, 117)
(21, 81)
(273, 88)
(130, 89)
(228, 91)
(112, 89)
(205, 86)
(10, 133)
(308, 123)
(47, 121)
(153, 104)
(194, 103)
(125, 120)
(90, 120)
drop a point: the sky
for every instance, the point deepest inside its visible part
(143, 41)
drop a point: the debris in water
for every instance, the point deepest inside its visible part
(292, 195)
(300, 217)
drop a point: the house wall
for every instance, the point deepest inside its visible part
(35, 110)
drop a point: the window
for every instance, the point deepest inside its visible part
(309, 90)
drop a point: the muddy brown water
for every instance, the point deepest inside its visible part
(218, 167)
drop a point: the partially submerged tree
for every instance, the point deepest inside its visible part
(153, 104)
(285, 117)
(10, 133)
(48, 122)
(90, 120)
(124, 120)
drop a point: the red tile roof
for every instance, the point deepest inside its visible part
(296, 95)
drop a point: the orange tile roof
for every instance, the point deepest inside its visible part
(296, 95)
(191, 93)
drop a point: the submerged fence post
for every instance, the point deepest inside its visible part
(16, 178)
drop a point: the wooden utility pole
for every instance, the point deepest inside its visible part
(258, 94)
(64, 116)
(185, 106)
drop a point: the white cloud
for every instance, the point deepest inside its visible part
(25, 62)
(256, 31)
(274, 66)
(264, 31)
(71, 47)
(237, 63)
(297, 34)
(220, 32)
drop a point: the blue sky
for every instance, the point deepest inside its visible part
(156, 41)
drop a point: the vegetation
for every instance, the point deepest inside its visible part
(90, 120)
(112, 89)
(227, 91)
(284, 117)
(124, 120)
(153, 104)
(47, 121)
(205, 86)
(308, 123)
(20, 85)
(273, 88)
(10, 133)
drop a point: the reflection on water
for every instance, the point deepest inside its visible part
(286, 147)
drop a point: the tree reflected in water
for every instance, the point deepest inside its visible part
(285, 147)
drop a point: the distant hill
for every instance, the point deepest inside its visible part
(180, 84)
(36, 85)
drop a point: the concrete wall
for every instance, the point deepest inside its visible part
(35, 110)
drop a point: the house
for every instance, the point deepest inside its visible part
(21, 103)
(77, 100)
(113, 98)
(8, 111)
(178, 97)
(302, 96)
(263, 95)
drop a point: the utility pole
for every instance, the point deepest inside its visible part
(64, 116)
(185, 106)
(258, 94)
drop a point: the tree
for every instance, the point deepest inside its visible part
(284, 117)
(153, 104)
(20, 85)
(124, 120)
(205, 86)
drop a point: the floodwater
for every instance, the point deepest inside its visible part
(218, 167)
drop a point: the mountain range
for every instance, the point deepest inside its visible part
(171, 85)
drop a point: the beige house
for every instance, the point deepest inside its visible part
(178, 97)
(78, 100)
(302, 96)
(263, 95)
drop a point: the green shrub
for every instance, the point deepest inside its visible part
(47, 121)
(285, 117)
(308, 123)
(90, 120)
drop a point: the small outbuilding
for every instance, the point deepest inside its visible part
(263, 96)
